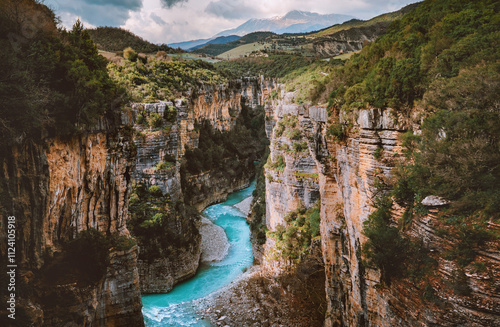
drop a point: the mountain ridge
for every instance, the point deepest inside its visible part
(295, 21)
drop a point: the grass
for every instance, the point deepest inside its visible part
(243, 50)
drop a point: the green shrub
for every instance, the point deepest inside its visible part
(299, 146)
(155, 120)
(385, 247)
(338, 131)
(122, 242)
(160, 225)
(294, 240)
(279, 164)
(294, 134)
(164, 165)
(378, 152)
(130, 54)
(140, 120)
(155, 190)
(171, 114)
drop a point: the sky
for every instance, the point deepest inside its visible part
(168, 21)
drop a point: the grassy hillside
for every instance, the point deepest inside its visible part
(217, 49)
(117, 39)
(384, 18)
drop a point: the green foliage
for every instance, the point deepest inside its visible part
(276, 65)
(154, 120)
(338, 131)
(158, 224)
(294, 240)
(56, 83)
(155, 191)
(228, 154)
(258, 219)
(299, 146)
(164, 165)
(171, 114)
(429, 45)
(161, 79)
(140, 120)
(116, 39)
(441, 55)
(279, 164)
(469, 238)
(130, 54)
(294, 134)
(122, 242)
(385, 248)
(378, 152)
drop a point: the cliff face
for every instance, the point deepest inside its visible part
(57, 190)
(348, 40)
(220, 106)
(347, 174)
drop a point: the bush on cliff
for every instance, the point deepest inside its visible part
(294, 240)
(159, 224)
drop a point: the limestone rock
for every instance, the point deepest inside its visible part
(434, 201)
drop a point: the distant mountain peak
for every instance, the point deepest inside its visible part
(295, 21)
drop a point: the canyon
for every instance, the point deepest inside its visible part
(63, 186)
(67, 185)
(342, 175)
(374, 180)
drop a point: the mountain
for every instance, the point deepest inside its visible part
(218, 40)
(295, 21)
(190, 44)
(116, 39)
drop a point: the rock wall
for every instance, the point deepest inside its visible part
(220, 105)
(348, 40)
(346, 177)
(56, 190)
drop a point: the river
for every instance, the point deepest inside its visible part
(176, 308)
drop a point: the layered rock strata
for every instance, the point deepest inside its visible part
(56, 190)
(220, 106)
(347, 173)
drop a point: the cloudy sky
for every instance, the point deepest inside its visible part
(167, 21)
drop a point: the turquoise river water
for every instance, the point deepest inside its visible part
(176, 308)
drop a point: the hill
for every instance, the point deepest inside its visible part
(356, 23)
(117, 39)
(217, 49)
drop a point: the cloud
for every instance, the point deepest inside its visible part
(183, 20)
(100, 12)
(171, 3)
(158, 20)
(230, 9)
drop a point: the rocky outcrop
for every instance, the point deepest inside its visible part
(160, 152)
(56, 190)
(347, 173)
(348, 40)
